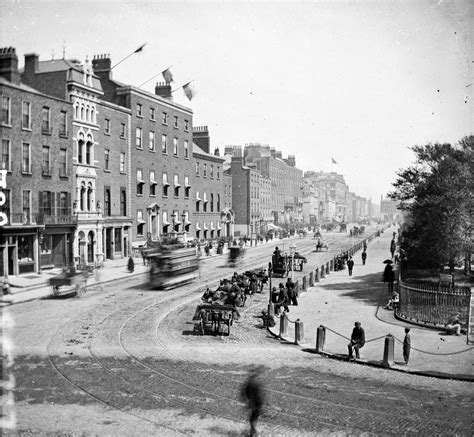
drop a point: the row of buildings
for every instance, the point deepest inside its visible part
(96, 168)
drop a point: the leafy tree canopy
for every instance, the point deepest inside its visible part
(437, 194)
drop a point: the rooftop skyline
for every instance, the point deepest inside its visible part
(352, 82)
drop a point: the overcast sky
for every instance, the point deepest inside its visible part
(355, 81)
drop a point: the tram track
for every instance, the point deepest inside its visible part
(183, 392)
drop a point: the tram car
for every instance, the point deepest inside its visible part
(236, 253)
(173, 266)
(279, 265)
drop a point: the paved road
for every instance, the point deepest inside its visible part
(124, 361)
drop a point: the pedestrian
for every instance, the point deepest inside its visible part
(291, 290)
(365, 245)
(131, 265)
(454, 325)
(144, 257)
(393, 246)
(406, 345)
(283, 299)
(350, 265)
(389, 276)
(364, 257)
(357, 340)
(252, 394)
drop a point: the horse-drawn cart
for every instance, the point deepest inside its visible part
(72, 281)
(213, 317)
(236, 253)
(279, 265)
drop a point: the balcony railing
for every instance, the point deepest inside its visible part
(40, 219)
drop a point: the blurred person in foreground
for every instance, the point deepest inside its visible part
(252, 394)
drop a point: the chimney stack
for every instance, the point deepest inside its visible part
(201, 137)
(163, 89)
(9, 65)
(102, 66)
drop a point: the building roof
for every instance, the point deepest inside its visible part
(23, 87)
(198, 151)
(59, 65)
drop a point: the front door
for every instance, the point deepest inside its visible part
(58, 251)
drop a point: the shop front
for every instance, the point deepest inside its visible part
(116, 238)
(19, 249)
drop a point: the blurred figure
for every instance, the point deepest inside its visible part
(406, 345)
(350, 265)
(364, 257)
(252, 394)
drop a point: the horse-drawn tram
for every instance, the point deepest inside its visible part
(172, 266)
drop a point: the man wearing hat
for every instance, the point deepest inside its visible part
(357, 340)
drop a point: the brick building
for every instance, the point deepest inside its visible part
(161, 164)
(213, 215)
(36, 134)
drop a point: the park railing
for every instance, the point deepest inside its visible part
(432, 304)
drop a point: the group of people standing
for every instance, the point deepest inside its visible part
(286, 294)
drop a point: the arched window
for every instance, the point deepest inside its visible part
(87, 114)
(80, 151)
(89, 197)
(92, 115)
(218, 202)
(89, 153)
(82, 112)
(82, 197)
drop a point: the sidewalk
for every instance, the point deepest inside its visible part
(339, 300)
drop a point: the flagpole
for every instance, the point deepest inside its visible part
(126, 57)
(151, 78)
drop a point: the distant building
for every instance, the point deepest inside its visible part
(389, 210)
(36, 131)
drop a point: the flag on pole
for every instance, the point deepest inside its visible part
(140, 48)
(333, 161)
(188, 91)
(167, 75)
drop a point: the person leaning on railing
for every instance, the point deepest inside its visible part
(454, 325)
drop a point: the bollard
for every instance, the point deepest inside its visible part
(299, 331)
(271, 309)
(311, 279)
(327, 268)
(331, 265)
(305, 287)
(388, 351)
(316, 275)
(323, 271)
(320, 338)
(283, 325)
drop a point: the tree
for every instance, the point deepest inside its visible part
(437, 194)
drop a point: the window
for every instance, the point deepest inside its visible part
(6, 111)
(26, 115)
(152, 114)
(139, 110)
(164, 143)
(218, 172)
(139, 137)
(198, 169)
(166, 223)
(218, 206)
(122, 130)
(122, 162)
(106, 160)
(175, 124)
(212, 171)
(212, 202)
(62, 162)
(63, 124)
(140, 223)
(46, 120)
(151, 140)
(187, 187)
(175, 146)
(63, 203)
(6, 155)
(205, 202)
(6, 205)
(45, 202)
(198, 201)
(107, 203)
(140, 181)
(186, 125)
(107, 126)
(152, 183)
(164, 118)
(176, 185)
(46, 168)
(123, 202)
(186, 148)
(26, 206)
(89, 151)
(25, 158)
(165, 184)
(204, 172)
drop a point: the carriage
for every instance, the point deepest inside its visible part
(296, 262)
(280, 265)
(72, 281)
(236, 254)
(173, 266)
(213, 318)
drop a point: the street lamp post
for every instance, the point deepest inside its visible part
(271, 308)
(183, 217)
(292, 253)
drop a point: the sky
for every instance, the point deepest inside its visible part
(355, 81)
